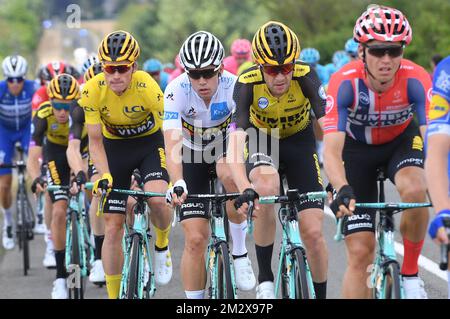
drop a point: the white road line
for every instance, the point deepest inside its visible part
(424, 262)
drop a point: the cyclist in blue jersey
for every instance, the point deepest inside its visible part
(155, 68)
(312, 57)
(351, 47)
(15, 121)
(438, 147)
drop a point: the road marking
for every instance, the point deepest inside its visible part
(424, 262)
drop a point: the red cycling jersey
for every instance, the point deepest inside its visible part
(371, 117)
(39, 97)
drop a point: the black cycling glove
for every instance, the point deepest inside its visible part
(38, 180)
(247, 195)
(343, 197)
(80, 178)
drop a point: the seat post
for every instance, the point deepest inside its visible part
(381, 177)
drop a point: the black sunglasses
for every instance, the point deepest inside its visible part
(15, 79)
(206, 74)
(381, 51)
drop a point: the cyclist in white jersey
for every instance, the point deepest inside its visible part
(197, 110)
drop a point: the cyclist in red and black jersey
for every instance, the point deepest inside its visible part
(368, 125)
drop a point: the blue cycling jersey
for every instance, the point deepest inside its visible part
(15, 111)
(322, 72)
(163, 80)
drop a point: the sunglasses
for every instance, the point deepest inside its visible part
(274, 70)
(111, 69)
(206, 74)
(61, 106)
(379, 52)
(15, 80)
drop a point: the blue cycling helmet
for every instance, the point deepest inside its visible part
(310, 55)
(351, 47)
(152, 65)
(340, 58)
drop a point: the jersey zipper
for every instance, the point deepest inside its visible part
(17, 112)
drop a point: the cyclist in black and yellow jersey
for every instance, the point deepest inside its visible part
(273, 103)
(123, 111)
(80, 162)
(52, 122)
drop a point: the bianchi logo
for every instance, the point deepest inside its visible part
(263, 103)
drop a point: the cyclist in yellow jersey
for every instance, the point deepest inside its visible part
(273, 104)
(123, 110)
(52, 122)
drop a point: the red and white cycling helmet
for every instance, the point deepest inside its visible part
(383, 24)
(241, 48)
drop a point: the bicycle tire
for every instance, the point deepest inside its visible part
(391, 280)
(133, 268)
(224, 281)
(284, 280)
(24, 231)
(76, 293)
(300, 275)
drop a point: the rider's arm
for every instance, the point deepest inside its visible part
(173, 140)
(332, 159)
(35, 149)
(73, 149)
(242, 95)
(419, 94)
(96, 148)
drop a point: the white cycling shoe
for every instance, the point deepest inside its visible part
(163, 267)
(97, 275)
(414, 288)
(245, 278)
(8, 238)
(39, 228)
(60, 289)
(265, 290)
(49, 260)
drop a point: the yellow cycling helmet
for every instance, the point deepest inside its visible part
(118, 46)
(92, 71)
(63, 87)
(275, 44)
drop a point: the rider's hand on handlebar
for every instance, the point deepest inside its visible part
(176, 195)
(437, 230)
(77, 184)
(241, 203)
(344, 203)
(102, 185)
(38, 185)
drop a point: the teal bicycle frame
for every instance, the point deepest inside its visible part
(287, 278)
(77, 234)
(385, 270)
(136, 249)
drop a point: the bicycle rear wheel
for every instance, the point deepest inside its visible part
(76, 290)
(391, 282)
(298, 270)
(23, 232)
(224, 289)
(284, 280)
(133, 270)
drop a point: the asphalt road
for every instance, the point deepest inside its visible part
(38, 283)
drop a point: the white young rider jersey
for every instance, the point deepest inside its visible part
(203, 126)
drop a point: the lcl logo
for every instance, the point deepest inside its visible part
(133, 112)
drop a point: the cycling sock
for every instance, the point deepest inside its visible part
(238, 233)
(8, 217)
(448, 283)
(162, 238)
(60, 263)
(239, 256)
(321, 289)
(113, 285)
(98, 246)
(195, 294)
(264, 257)
(411, 257)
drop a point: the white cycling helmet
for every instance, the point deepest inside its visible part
(200, 50)
(14, 66)
(93, 59)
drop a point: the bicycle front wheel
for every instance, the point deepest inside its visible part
(131, 291)
(22, 206)
(300, 276)
(391, 282)
(224, 284)
(76, 289)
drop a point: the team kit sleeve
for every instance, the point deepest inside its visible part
(339, 100)
(76, 128)
(39, 127)
(243, 98)
(154, 97)
(315, 92)
(439, 115)
(88, 103)
(173, 105)
(419, 92)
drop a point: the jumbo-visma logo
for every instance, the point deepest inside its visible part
(133, 112)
